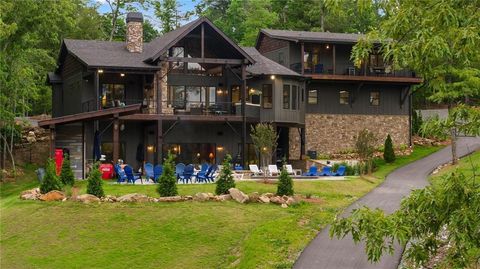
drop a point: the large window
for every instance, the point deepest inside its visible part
(312, 97)
(177, 96)
(112, 95)
(286, 96)
(294, 97)
(177, 52)
(374, 98)
(267, 90)
(344, 97)
(184, 97)
(195, 153)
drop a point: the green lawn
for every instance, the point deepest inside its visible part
(170, 235)
(466, 165)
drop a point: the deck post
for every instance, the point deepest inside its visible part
(244, 117)
(302, 142)
(116, 139)
(159, 143)
(334, 64)
(96, 85)
(52, 141)
(302, 60)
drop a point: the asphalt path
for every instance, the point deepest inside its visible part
(325, 252)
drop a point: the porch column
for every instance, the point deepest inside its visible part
(302, 61)
(52, 141)
(244, 118)
(302, 142)
(116, 139)
(333, 52)
(96, 86)
(159, 142)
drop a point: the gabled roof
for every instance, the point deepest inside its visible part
(311, 36)
(265, 66)
(112, 54)
(161, 44)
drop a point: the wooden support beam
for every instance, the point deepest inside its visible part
(334, 64)
(302, 60)
(202, 40)
(159, 143)
(204, 60)
(404, 95)
(116, 139)
(244, 118)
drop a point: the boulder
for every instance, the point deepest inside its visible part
(133, 197)
(170, 199)
(87, 198)
(201, 196)
(224, 197)
(277, 200)
(32, 194)
(52, 196)
(291, 201)
(284, 205)
(110, 198)
(238, 195)
(269, 194)
(188, 197)
(253, 197)
(264, 199)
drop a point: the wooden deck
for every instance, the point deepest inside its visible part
(360, 78)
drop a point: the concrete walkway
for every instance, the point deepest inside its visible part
(324, 252)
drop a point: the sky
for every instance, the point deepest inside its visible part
(185, 5)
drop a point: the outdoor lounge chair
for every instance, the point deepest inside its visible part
(149, 172)
(179, 170)
(312, 172)
(121, 176)
(131, 176)
(254, 169)
(187, 174)
(272, 170)
(326, 171)
(340, 171)
(289, 169)
(157, 172)
(209, 175)
(203, 171)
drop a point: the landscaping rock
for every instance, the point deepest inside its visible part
(201, 196)
(188, 197)
(170, 199)
(277, 200)
(284, 205)
(110, 198)
(224, 197)
(268, 194)
(52, 196)
(253, 197)
(291, 201)
(238, 195)
(32, 194)
(264, 199)
(133, 197)
(87, 198)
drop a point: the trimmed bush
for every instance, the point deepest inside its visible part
(285, 184)
(66, 175)
(94, 182)
(167, 183)
(225, 180)
(50, 180)
(388, 152)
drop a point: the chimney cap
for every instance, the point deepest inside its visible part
(134, 16)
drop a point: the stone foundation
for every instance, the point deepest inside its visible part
(332, 133)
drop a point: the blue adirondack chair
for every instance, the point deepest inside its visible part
(326, 171)
(211, 176)
(202, 172)
(157, 172)
(121, 176)
(149, 172)
(131, 176)
(312, 172)
(187, 174)
(179, 170)
(202, 175)
(340, 171)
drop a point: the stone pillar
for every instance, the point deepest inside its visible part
(134, 38)
(294, 143)
(161, 89)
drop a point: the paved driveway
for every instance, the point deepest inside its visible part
(324, 252)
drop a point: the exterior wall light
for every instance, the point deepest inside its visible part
(122, 74)
(150, 148)
(219, 148)
(272, 77)
(327, 46)
(100, 71)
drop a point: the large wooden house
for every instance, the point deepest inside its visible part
(196, 93)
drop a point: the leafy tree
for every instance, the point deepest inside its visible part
(167, 183)
(285, 183)
(264, 138)
(118, 8)
(388, 152)
(365, 147)
(50, 180)
(225, 179)
(169, 14)
(149, 32)
(450, 206)
(94, 182)
(66, 174)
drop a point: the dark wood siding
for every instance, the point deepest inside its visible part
(267, 44)
(329, 99)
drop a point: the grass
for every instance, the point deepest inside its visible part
(467, 165)
(170, 235)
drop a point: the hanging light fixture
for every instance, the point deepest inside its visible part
(272, 77)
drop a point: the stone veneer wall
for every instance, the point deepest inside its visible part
(332, 133)
(134, 36)
(294, 144)
(161, 77)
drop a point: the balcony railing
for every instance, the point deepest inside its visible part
(378, 71)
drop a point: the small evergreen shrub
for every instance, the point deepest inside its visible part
(388, 152)
(94, 182)
(225, 180)
(167, 183)
(66, 175)
(285, 184)
(50, 180)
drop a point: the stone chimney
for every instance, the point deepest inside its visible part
(134, 37)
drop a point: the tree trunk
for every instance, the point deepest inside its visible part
(114, 21)
(453, 134)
